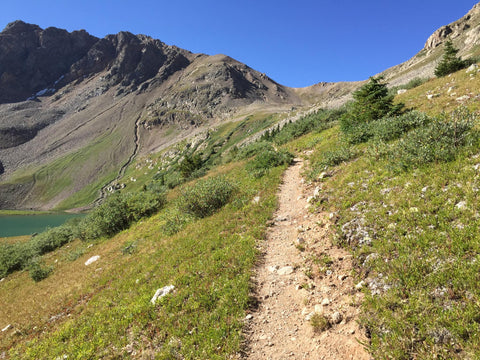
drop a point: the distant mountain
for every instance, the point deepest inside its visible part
(102, 101)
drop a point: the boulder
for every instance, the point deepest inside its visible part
(161, 293)
(92, 260)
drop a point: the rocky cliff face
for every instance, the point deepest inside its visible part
(465, 35)
(63, 94)
(32, 59)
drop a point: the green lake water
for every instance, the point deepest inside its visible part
(17, 225)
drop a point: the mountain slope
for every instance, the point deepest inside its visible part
(108, 100)
(465, 35)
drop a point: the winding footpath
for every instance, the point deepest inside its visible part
(293, 283)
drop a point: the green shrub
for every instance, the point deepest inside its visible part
(190, 164)
(387, 128)
(318, 121)
(206, 196)
(118, 211)
(439, 141)
(14, 257)
(336, 157)
(392, 128)
(38, 271)
(414, 83)
(253, 149)
(51, 239)
(258, 166)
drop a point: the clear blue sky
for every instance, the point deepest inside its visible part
(296, 42)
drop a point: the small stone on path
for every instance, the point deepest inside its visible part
(286, 270)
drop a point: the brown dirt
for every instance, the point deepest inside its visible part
(279, 328)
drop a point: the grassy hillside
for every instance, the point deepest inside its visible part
(445, 93)
(402, 193)
(104, 310)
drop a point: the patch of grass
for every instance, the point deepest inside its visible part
(266, 160)
(440, 94)
(320, 323)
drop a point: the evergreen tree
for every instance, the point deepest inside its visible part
(372, 102)
(449, 63)
(190, 164)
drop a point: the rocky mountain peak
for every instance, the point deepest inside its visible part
(19, 27)
(32, 59)
(467, 24)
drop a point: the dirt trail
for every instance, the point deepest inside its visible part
(279, 328)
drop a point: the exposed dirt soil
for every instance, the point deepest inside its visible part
(303, 274)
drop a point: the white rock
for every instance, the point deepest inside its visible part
(360, 285)
(316, 192)
(462, 98)
(249, 317)
(318, 309)
(462, 205)
(325, 302)
(272, 268)
(401, 91)
(286, 270)
(336, 317)
(256, 200)
(472, 68)
(92, 260)
(161, 293)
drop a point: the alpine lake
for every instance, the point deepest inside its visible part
(31, 223)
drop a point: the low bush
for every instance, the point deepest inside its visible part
(439, 141)
(392, 128)
(253, 149)
(117, 213)
(336, 157)
(14, 257)
(51, 239)
(266, 160)
(38, 271)
(318, 121)
(386, 129)
(206, 196)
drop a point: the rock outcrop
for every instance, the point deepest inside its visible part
(32, 59)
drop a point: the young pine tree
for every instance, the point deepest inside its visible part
(449, 63)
